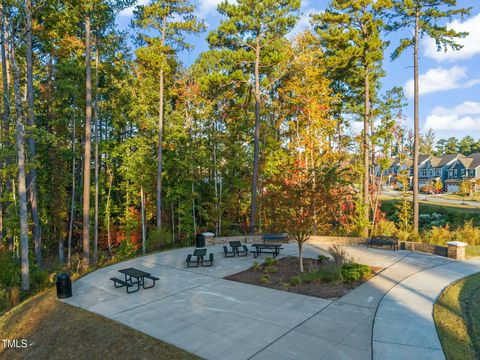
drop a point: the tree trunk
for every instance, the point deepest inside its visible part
(22, 187)
(300, 255)
(160, 137)
(194, 216)
(107, 211)
(256, 151)
(37, 232)
(4, 37)
(366, 153)
(72, 205)
(160, 155)
(87, 150)
(95, 238)
(416, 141)
(144, 230)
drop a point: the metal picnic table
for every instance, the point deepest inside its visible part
(133, 277)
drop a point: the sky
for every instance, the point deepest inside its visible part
(449, 81)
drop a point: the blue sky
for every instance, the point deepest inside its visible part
(450, 82)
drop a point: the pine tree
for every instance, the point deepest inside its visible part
(422, 18)
(350, 33)
(255, 29)
(166, 23)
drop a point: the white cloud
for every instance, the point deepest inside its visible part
(463, 117)
(207, 7)
(471, 44)
(128, 12)
(303, 22)
(441, 79)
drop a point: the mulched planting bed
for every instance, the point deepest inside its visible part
(319, 279)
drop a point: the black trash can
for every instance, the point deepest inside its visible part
(200, 241)
(64, 286)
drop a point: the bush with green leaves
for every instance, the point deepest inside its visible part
(323, 258)
(269, 261)
(9, 270)
(158, 239)
(386, 228)
(295, 281)
(265, 278)
(353, 272)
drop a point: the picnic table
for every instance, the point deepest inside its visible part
(273, 249)
(199, 255)
(133, 277)
(237, 249)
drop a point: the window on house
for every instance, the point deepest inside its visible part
(463, 172)
(450, 173)
(455, 172)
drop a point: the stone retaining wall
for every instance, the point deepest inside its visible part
(245, 239)
(423, 247)
(340, 240)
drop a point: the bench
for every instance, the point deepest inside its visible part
(122, 283)
(151, 277)
(275, 237)
(383, 241)
(209, 262)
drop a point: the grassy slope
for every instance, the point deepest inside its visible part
(60, 331)
(457, 317)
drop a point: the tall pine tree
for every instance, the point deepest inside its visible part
(165, 24)
(255, 29)
(422, 18)
(350, 33)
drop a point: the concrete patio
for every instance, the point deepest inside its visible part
(389, 317)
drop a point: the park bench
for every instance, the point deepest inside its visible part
(237, 249)
(273, 249)
(275, 237)
(383, 241)
(120, 283)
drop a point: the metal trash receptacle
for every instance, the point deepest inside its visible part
(64, 286)
(200, 241)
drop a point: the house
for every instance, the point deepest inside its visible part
(436, 168)
(464, 168)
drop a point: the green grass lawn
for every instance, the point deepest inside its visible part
(457, 317)
(57, 330)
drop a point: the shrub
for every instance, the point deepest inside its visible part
(328, 274)
(295, 281)
(265, 278)
(9, 270)
(39, 279)
(272, 269)
(157, 239)
(256, 266)
(339, 254)
(386, 228)
(269, 261)
(323, 258)
(403, 235)
(353, 272)
(439, 235)
(429, 220)
(468, 233)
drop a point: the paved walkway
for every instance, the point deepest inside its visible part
(389, 317)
